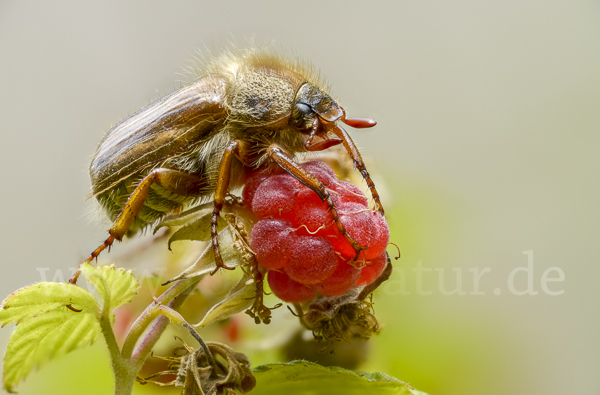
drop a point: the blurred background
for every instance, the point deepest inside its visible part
(487, 144)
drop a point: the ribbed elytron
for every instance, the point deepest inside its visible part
(251, 109)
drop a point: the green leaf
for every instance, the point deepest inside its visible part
(301, 377)
(240, 298)
(116, 287)
(43, 297)
(53, 319)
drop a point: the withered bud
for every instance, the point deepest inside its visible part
(230, 373)
(346, 316)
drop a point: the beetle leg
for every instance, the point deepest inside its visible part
(277, 155)
(232, 150)
(358, 163)
(178, 182)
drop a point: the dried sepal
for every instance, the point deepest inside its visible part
(241, 242)
(195, 375)
(351, 320)
(237, 300)
(346, 316)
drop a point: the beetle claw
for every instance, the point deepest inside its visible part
(222, 266)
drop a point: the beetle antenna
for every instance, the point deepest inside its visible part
(358, 123)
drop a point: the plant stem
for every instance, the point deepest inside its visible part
(121, 367)
(149, 339)
(128, 362)
(144, 320)
(111, 342)
(124, 381)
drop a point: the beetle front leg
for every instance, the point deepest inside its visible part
(232, 150)
(277, 155)
(358, 163)
(178, 182)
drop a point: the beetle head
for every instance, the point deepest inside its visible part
(315, 112)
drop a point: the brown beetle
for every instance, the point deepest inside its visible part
(251, 105)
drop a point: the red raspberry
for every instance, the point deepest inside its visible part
(298, 237)
(372, 270)
(270, 240)
(342, 279)
(287, 289)
(312, 259)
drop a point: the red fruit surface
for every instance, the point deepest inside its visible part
(275, 196)
(250, 187)
(349, 194)
(372, 270)
(382, 238)
(287, 289)
(320, 170)
(313, 213)
(343, 278)
(312, 259)
(270, 240)
(357, 221)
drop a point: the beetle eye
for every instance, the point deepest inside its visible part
(302, 115)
